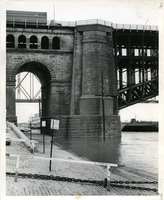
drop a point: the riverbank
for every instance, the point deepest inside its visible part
(35, 187)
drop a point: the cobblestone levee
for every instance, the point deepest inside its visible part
(35, 187)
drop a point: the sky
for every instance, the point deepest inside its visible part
(116, 11)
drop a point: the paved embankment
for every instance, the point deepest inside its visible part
(35, 187)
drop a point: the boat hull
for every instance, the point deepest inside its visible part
(141, 127)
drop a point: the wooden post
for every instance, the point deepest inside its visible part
(30, 132)
(39, 109)
(16, 170)
(43, 141)
(51, 144)
(108, 177)
(54, 125)
(43, 125)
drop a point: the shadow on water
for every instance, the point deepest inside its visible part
(94, 149)
(133, 150)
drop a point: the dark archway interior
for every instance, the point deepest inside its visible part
(38, 69)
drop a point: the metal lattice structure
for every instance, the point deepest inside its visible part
(30, 91)
(136, 59)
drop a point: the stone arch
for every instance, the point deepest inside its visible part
(10, 41)
(22, 41)
(33, 60)
(56, 43)
(33, 42)
(44, 72)
(44, 42)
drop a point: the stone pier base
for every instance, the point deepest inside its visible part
(85, 126)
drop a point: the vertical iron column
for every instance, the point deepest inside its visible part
(120, 77)
(129, 71)
(143, 67)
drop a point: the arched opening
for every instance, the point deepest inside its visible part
(56, 43)
(10, 41)
(33, 42)
(22, 42)
(30, 94)
(45, 42)
(28, 99)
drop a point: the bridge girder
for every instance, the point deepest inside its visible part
(136, 60)
(137, 93)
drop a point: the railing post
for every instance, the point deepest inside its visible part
(108, 177)
(37, 23)
(16, 170)
(13, 22)
(106, 183)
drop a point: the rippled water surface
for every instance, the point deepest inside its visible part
(137, 150)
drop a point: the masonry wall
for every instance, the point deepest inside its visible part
(98, 69)
(86, 126)
(70, 78)
(76, 89)
(56, 90)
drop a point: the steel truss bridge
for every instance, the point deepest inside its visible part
(29, 92)
(136, 61)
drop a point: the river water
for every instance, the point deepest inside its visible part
(136, 150)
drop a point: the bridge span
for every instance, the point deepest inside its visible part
(82, 67)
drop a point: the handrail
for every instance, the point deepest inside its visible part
(107, 165)
(51, 23)
(30, 144)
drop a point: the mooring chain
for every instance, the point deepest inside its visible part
(135, 182)
(55, 178)
(112, 183)
(134, 187)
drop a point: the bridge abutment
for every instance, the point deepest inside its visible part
(84, 126)
(71, 78)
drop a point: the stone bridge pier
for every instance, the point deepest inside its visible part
(71, 80)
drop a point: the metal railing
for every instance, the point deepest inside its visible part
(51, 23)
(30, 144)
(107, 23)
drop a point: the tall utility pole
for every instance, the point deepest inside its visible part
(103, 107)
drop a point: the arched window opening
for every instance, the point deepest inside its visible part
(22, 42)
(45, 42)
(56, 43)
(33, 42)
(10, 41)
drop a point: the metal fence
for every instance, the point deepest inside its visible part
(51, 23)
(107, 23)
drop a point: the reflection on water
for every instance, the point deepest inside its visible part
(93, 148)
(135, 150)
